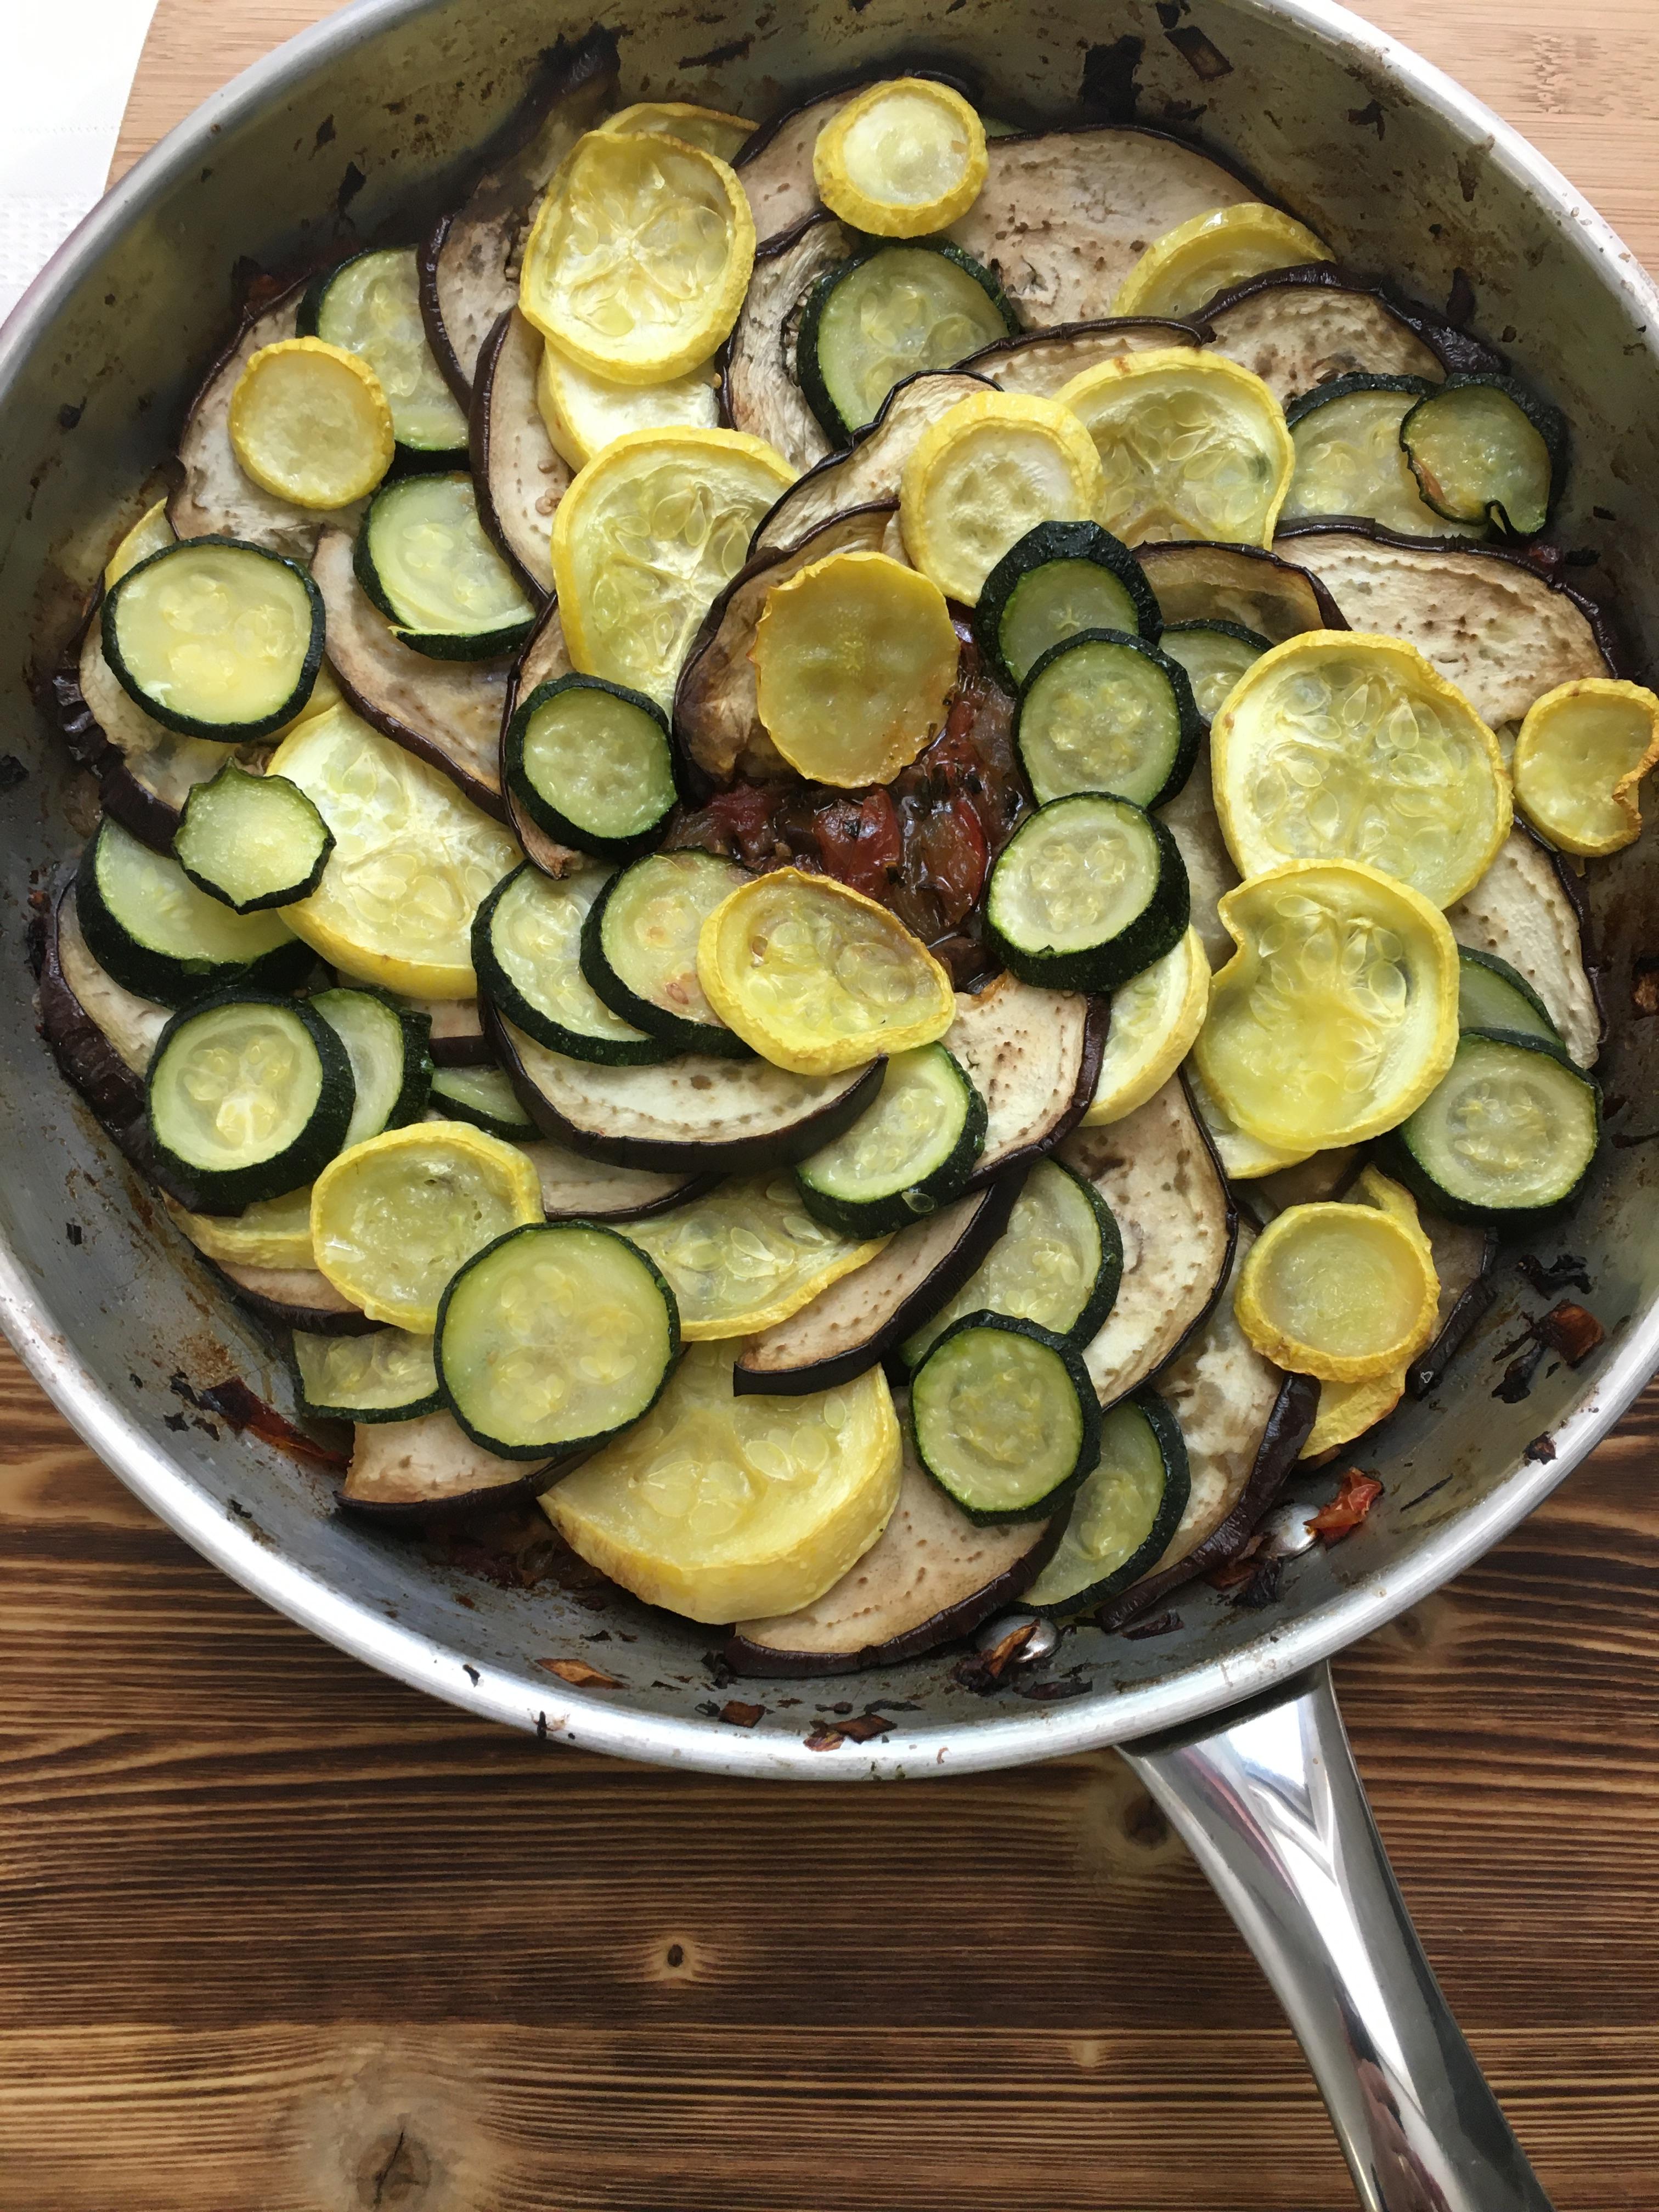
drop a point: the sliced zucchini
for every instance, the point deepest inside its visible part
(391, 1064)
(590, 763)
(1044, 466)
(483, 1096)
(1508, 1137)
(1058, 1263)
(904, 156)
(554, 1337)
(252, 841)
(147, 924)
(1005, 1417)
(1214, 655)
(1483, 448)
(309, 422)
(638, 948)
(1155, 1019)
(908, 1155)
(1579, 761)
(385, 1376)
(371, 306)
(423, 559)
(1347, 1293)
(1492, 996)
(216, 638)
(526, 947)
(1521, 911)
(1125, 1512)
(393, 1219)
(744, 1256)
(1102, 711)
(249, 1097)
(1348, 455)
(1059, 578)
(1088, 891)
(273, 1232)
(884, 315)
(724, 1508)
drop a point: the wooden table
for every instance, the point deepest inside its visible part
(279, 1935)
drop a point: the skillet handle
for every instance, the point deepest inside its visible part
(1269, 1802)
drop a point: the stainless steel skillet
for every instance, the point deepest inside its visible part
(1230, 1721)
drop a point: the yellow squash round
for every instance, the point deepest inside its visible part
(990, 469)
(903, 159)
(710, 127)
(309, 422)
(1155, 1019)
(1579, 761)
(1186, 268)
(1343, 1293)
(746, 1255)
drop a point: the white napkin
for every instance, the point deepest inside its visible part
(66, 68)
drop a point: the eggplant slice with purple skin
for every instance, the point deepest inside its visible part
(457, 1037)
(1038, 363)
(1298, 328)
(404, 1470)
(519, 478)
(1465, 1255)
(543, 659)
(931, 1577)
(292, 1297)
(101, 1036)
(1275, 594)
(762, 393)
(868, 1314)
(448, 711)
(468, 265)
(1158, 1173)
(717, 731)
(1034, 1057)
(1522, 911)
(576, 1189)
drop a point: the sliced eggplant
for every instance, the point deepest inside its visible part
(1492, 623)
(468, 265)
(717, 720)
(1064, 216)
(863, 1317)
(577, 1189)
(402, 1470)
(1034, 1057)
(292, 1297)
(1038, 363)
(1297, 329)
(1193, 822)
(456, 1037)
(695, 1114)
(1519, 911)
(1465, 1255)
(101, 1036)
(448, 712)
(868, 473)
(1312, 1182)
(544, 660)
(1158, 1173)
(520, 478)
(932, 1576)
(1272, 593)
(762, 393)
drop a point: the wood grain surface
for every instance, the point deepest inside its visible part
(278, 1935)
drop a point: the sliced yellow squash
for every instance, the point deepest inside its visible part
(1336, 745)
(276, 1232)
(855, 659)
(412, 862)
(1579, 760)
(990, 469)
(395, 1218)
(152, 533)
(1243, 1159)
(1338, 1014)
(638, 259)
(325, 693)
(818, 977)
(1211, 253)
(1346, 1410)
(309, 422)
(644, 539)
(746, 1256)
(901, 159)
(715, 131)
(1191, 446)
(584, 413)
(723, 1508)
(1342, 1292)
(1155, 1019)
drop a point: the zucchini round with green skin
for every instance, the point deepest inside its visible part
(1104, 711)
(1126, 1508)
(484, 1097)
(149, 927)
(252, 842)
(590, 764)
(885, 314)
(1214, 655)
(1507, 1137)
(1088, 891)
(216, 638)
(553, 1337)
(1492, 996)
(391, 1063)
(1348, 458)
(371, 306)
(1005, 1417)
(248, 1096)
(1059, 578)
(1058, 1263)
(527, 948)
(386, 1375)
(1484, 450)
(638, 948)
(908, 1155)
(422, 557)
